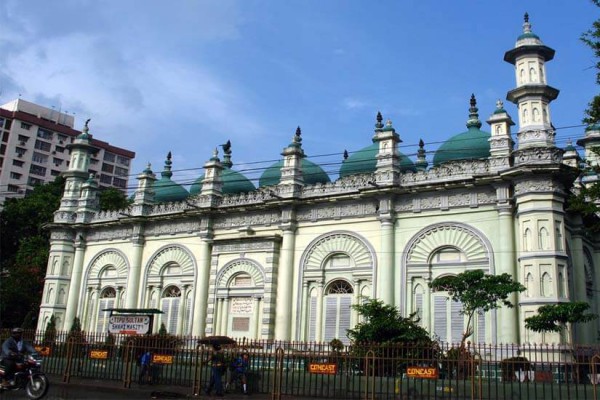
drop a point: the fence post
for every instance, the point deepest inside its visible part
(67, 372)
(476, 360)
(278, 374)
(594, 377)
(198, 368)
(128, 361)
(370, 372)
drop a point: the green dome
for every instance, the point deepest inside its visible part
(311, 173)
(166, 190)
(365, 162)
(470, 145)
(233, 182)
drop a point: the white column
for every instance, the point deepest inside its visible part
(303, 315)
(96, 309)
(257, 318)
(427, 310)
(224, 316)
(133, 280)
(201, 290)
(357, 290)
(507, 318)
(85, 322)
(75, 284)
(385, 272)
(319, 319)
(283, 309)
(181, 311)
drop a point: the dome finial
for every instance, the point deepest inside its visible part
(379, 124)
(167, 171)
(345, 154)
(473, 121)
(297, 136)
(526, 24)
(227, 154)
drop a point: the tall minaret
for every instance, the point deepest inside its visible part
(532, 94)
(76, 174)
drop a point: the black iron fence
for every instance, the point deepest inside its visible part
(365, 371)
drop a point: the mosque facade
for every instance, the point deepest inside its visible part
(288, 259)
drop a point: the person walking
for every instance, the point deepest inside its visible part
(217, 366)
(238, 369)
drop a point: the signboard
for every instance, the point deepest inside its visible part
(162, 359)
(99, 354)
(43, 351)
(242, 305)
(322, 368)
(422, 372)
(129, 324)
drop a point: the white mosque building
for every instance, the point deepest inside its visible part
(287, 259)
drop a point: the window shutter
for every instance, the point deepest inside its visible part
(345, 313)
(440, 325)
(418, 307)
(164, 317)
(312, 321)
(457, 321)
(172, 327)
(481, 328)
(188, 316)
(331, 309)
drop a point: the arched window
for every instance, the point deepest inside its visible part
(544, 239)
(561, 284)
(527, 240)
(589, 281)
(522, 76)
(532, 75)
(107, 300)
(418, 302)
(525, 116)
(61, 296)
(338, 299)
(535, 115)
(559, 240)
(49, 295)
(529, 285)
(169, 305)
(546, 285)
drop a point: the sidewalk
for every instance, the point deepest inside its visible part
(155, 391)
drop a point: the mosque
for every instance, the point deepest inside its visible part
(286, 260)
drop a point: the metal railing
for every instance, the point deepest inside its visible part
(309, 369)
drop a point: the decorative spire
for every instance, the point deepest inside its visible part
(227, 154)
(421, 163)
(215, 154)
(345, 154)
(167, 171)
(473, 121)
(297, 140)
(148, 169)
(85, 131)
(379, 125)
(526, 24)
(85, 126)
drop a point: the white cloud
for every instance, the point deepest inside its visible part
(354, 103)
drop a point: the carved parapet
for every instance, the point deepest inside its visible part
(538, 155)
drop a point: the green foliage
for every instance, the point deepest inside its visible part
(382, 323)
(555, 317)
(478, 292)
(162, 331)
(113, 199)
(336, 345)
(50, 332)
(592, 39)
(509, 366)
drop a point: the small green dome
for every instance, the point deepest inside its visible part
(470, 145)
(365, 162)
(166, 190)
(233, 182)
(311, 173)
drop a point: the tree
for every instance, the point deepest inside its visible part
(382, 323)
(50, 332)
(477, 292)
(592, 39)
(113, 199)
(555, 317)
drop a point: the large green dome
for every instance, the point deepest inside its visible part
(311, 173)
(365, 162)
(166, 190)
(233, 182)
(470, 145)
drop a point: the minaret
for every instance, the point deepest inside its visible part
(501, 143)
(421, 163)
(212, 185)
(532, 94)
(291, 171)
(143, 198)
(388, 159)
(76, 174)
(88, 203)
(589, 143)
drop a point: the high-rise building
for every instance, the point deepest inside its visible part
(34, 149)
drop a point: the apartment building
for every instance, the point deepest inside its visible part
(34, 149)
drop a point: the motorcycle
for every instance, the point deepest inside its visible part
(28, 376)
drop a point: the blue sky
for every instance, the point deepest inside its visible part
(186, 76)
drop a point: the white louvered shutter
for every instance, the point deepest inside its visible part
(345, 313)
(418, 307)
(481, 328)
(440, 322)
(331, 308)
(173, 314)
(457, 321)
(312, 320)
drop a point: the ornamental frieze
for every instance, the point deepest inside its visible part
(109, 234)
(172, 228)
(62, 235)
(248, 219)
(538, 185)
(236, 247)
(538, 155)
